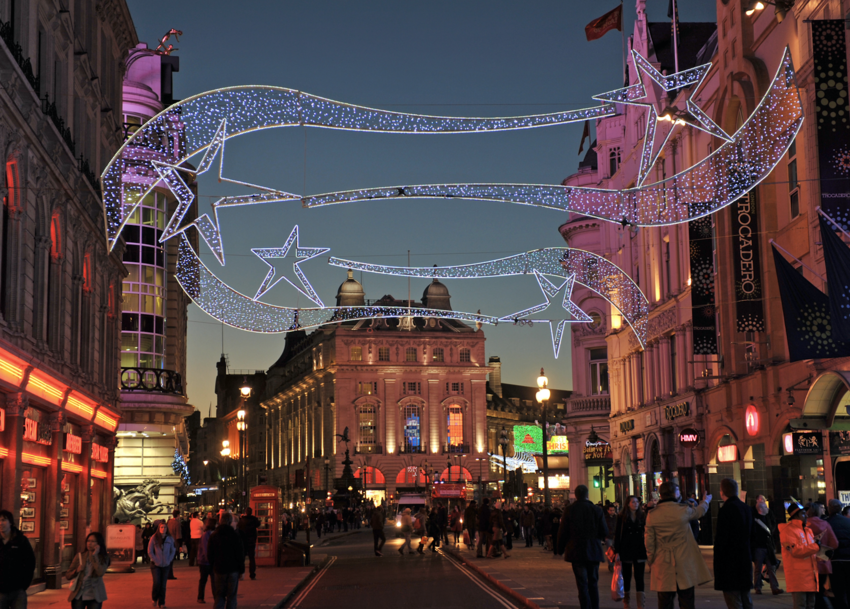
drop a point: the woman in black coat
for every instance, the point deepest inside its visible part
(630, 548)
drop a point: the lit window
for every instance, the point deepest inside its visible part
(355, 354)
(793, 184)
(410, 354)
(55, 237)
(366, 421)
(383, 354)
(454, 425)
(465, 356)
(367, 388)
(412, 439)
(437, 354)
(599, 371)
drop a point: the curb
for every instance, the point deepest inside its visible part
(510, 592)
(301, 584)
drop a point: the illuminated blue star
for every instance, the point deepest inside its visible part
(303, 253)
(658, 110)
(550, 291)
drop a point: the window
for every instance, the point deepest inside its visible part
(673, 381)
(412, 438)
(367, 388)
(410, 354)
(599, 371)
(613, 160)
(454, 425)
(793, 185)
(437, 354)
(411, 388)
(55, 236)
(454, 388)
(465, 356)
(366, 424)
(383, 354)
(355, 354)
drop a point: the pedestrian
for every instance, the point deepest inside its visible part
(671, 550)
(484, 529)
(87, 569)
(470, 522)
(420, 523)
(527, 523)
(630, 550)
(175, 529)
(140, 544)
(196, 529)
(581, 533)
(799, 548)
(456, 524)
(611, 523)
(509, 526)
(732, 553)
(17, 564)
(498, 534)
(406, 531)
(203, 559)
(840, 579)
(377, 522)
(161, 550)
(147, 533)
(248, 526)
(185, 535)
(828, 543)
(227, 557)
(764, 553)
(435, 530)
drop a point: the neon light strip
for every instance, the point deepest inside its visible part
(9, 368)
(76, 405)
(36, 459)
(74, 468)
(4, 452)
(96, 473)
(36, 382)
(106, 421)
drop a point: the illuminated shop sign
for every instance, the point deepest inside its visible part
(73, 444)
(689, 437)
(596, 450)
(751, 420)
(528, 439)
(803, 443)
(727, 454)
(99, 453)
(674, 411)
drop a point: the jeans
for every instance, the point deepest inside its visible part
(587, 581)
(13, 600)
(803, 600)
(527, 534)
(206, 572)
(160, 579)
(686, 598)
(81, 604)
(250, 551)
(226, 585)
(760, 560)
(406, 543)
(378, 535)
(738, 599)
(840, 580)
(638, 568)
(509, 541)
(483, 542)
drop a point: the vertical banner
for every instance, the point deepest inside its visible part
(702, 286)
(831, 106)
(747, 265)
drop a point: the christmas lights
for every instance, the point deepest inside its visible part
(303, 253)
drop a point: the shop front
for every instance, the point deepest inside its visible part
(599, 465)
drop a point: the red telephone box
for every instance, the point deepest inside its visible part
(267, 504)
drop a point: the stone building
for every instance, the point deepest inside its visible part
(60, 289)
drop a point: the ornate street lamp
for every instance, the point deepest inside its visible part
(503, 442)
(543, 398)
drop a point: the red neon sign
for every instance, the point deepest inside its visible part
(751, 420)
(99, 453)
(727, 454)
(98, 474)
(30, 430)
(73, 444)
(74, 468)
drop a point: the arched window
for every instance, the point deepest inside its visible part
(454, 425)
(55, 237)
(367, 416)
(87, 273)
(9, 203)
(412, 428)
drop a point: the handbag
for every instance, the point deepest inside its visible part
(497, 534)
(466, 539)
(617, 590)
(74, 581)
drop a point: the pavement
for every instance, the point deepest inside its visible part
(548, 582)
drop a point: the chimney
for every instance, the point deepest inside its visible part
(495, 378)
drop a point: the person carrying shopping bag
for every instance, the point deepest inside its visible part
(407, 531)
(630, 549)
(161, 549)
(86, 571)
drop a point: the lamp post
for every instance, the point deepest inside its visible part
(242, 428)
(327, 474)
(543, 398)
(225, 453)
(503, 442)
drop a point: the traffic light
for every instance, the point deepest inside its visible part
(609, 475)
(597, 481)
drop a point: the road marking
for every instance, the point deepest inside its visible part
(480, 584)
(312, 584)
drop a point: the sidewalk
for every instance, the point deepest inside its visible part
(549, 582)
(270, 588)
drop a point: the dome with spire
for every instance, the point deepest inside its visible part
(436, 296)
(350, 293)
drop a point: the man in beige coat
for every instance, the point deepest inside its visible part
(671, 550)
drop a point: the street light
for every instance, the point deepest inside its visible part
(503, 442)
(242, 427)
(225, 453)
(543, 397)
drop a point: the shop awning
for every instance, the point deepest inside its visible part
(826, 401)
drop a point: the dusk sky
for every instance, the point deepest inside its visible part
(458, 58)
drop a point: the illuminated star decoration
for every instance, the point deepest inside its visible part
(210, 229)
(550, 291)
(303, 253)
(658, 111)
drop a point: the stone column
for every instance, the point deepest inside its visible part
(668, 383)
(391, 436)
(478, 416)
(689, 354)
(651, 372)
(13, 440)
(82, 504)
(52, 488)
(435, 439)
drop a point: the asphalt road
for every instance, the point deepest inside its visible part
(357, 579)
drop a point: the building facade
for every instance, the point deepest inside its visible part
(60, 289)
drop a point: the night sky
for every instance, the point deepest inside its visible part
(467, 58)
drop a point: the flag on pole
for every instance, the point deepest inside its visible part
(612, 20)
(808, 328)
(585, 135)
(836, 256)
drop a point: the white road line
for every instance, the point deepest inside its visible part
(312, 584)
(480, 584)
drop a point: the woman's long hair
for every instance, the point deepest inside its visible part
(159, 538)
(624, 515)
(102, 555)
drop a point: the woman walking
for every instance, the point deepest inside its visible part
(456, 524)
(420, 528)
(407, 531)
(88, 591)
(204, 566)
(497, 524)
(161, 551)
(630, 548)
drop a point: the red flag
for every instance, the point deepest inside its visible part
(585, 135)
(612, 20)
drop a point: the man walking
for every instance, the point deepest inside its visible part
(377, 523)
(581, 534)
(732, 555)
(175, 529)
(248, 526)
(840, 578)
(17, 564)
(196, 529)
(484, 528)
(527, 523)
(671, 550)
(470, 518)
(764, 553)
(227, 558)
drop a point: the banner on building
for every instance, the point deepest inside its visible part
(702, 286)
(829, 51)
(836, 257)
(747, 265)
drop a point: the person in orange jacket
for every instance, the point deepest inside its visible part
(799, 546)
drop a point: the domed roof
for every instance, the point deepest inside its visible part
(350, 293)
(436, 296)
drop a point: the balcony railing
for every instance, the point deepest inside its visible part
(151, 379)
(368, 449)
(17, 52)
(456, 449)
(411, 450)
(600, 404)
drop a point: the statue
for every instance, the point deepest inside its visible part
(162, 49)
(137, 503)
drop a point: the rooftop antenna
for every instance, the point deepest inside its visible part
(408, 293)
